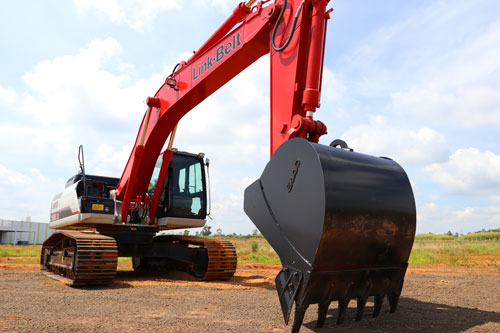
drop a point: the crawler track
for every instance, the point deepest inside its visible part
(205, 259)
(222, 257)
(80, 259)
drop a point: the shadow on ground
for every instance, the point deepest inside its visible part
(253, 281)
(114, 285)
(411, 315)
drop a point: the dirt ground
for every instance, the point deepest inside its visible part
(434, 299)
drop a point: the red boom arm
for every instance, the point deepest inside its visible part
(295, 84)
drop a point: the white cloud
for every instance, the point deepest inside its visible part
(468, 171)
(77, 99)
(467, 106)
(224, 5)
(135, 13)
(231, 154)
(7, 96)
(231, 126)
(9, 177)
(332, 88)
(28, 194)
(462, 87)
(227, 201)
(437, 218)
(79, 86)
(408, 147)
(495, 199)
(438, 65)
(108, 161)
(39, 142)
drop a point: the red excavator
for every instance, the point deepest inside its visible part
(342, 223)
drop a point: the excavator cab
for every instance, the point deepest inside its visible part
(184, 194)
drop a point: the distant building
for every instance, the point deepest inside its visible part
(24, 232)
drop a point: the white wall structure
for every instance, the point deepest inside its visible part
(12, 232)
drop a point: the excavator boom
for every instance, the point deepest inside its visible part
(296, 72)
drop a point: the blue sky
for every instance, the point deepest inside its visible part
(417, 81)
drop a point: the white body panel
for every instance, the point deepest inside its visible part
(65, 212)
(64, 204)
(179, 223)
(82, 220)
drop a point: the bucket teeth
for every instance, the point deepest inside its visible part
(361, 303)
(377, 305)
(322, 312)
(300, 311)
(342, 310)
(393, 302)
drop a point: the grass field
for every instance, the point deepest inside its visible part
(456, 253)
(255, 250)
(7, 250)
(427, 250)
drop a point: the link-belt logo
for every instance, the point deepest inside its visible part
(222, 50)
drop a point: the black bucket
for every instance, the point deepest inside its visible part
(342, 223)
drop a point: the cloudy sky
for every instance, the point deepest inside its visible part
(418, 81)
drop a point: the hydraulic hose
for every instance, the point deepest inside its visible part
(285, 45)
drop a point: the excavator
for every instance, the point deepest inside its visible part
(342, 222)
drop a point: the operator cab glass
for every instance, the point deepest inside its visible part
(184, 192)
